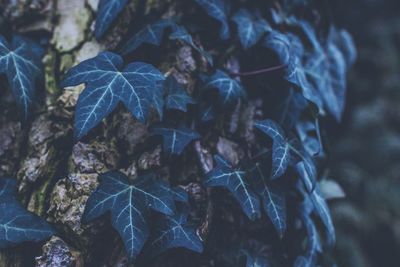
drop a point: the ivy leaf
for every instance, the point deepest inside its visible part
(307, 172)
(309, 31)
(290, 51)
(21, 61)
(151, 34)
(309, 134)
(279, 16)
(345, 43)
(17, 225)
(222, 161)
(297, 75)
(223, 175)
(320, 206)
(327, 69)
(273, 199)
(250, 27)
(130, 205)
(340, 38)
(206, 112)
(219, 10)
(175, 140)
(290, 111)
(108, 11)
(175, 232)
(107, 84)
(313, 243)
(321, 74)
(322, 209)
(279, 43)
(180, 33)
(177, 97)
(281, 155)
(157, 98)
(229, 89)
(177, 193)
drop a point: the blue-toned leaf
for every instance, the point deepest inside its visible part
(229, 89)
(177, 193)
(21, 62)
(297, 48)
(319, 203)
(175, 232)
(280, 44)
(273, 198)
(17, 225)
(297, 75)
(309, 135)
(107, 84)
(151, 34)
(129, 205)
(278, 16)
(346, 45)
(206, 112)
(307, 172)
(221, 161)
(219, 10)
(175, 140)
(314, 247)
(331, 85)
(108, 11)
(290, 111)
(281, 149)
(320, 74)
(272, 129)
(180, 33)
(339, 38)
(327, 67)
(177, 97)
(322, 209)
(236, 182)
(157, 99)
(250, 27)
(310, 32)
(289, 50)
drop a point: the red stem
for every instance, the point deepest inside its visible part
(256, 72)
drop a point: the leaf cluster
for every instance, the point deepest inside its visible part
(276, 172)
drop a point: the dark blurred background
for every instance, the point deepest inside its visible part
(366, 147)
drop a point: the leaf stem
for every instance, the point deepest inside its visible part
(256, 72)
